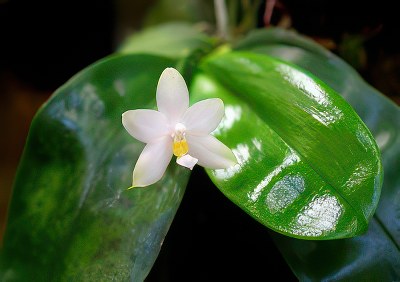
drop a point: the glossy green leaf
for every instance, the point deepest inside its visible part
(72, 217)
(308, 166)
(374, 256)
(174, 40)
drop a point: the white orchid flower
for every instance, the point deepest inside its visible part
(176, 129)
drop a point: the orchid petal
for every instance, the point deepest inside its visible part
(145, 125)
(203, 117)
(187, 161)
(172, 95)
(210, 152)
(152, 162)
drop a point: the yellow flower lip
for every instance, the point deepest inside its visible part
(180, 145)
(180, 148)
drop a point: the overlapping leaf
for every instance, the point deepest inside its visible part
(174, 40)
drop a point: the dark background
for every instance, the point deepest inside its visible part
(42, 44)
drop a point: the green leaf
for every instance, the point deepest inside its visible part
(174, 40)
(308, 166)
(374, 256)
(72, 217)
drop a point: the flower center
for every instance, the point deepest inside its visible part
(180, 145)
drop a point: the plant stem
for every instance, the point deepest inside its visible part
(221, 16)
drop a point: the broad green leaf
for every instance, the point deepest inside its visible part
(174, 40)
(72, 217)
(374, 256)
(308, 166)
